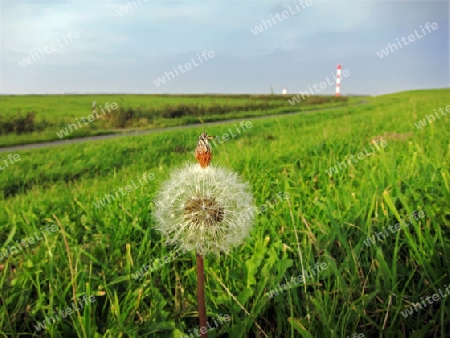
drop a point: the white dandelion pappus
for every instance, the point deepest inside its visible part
(209, 210)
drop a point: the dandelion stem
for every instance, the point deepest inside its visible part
(201, 294)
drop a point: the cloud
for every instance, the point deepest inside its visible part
(126, 53)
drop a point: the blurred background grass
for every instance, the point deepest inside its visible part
(35, 118)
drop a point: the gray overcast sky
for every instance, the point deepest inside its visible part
(125, 52)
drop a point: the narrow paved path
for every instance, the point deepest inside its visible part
(142, 132)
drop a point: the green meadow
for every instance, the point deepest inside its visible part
(39, 118)
(80, 253)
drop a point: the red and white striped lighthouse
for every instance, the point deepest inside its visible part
(338, 80)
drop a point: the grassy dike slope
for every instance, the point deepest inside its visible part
(325, 220)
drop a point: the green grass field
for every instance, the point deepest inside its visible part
(38, 118)
(326, 220)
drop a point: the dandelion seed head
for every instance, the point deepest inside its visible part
(209, 210)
